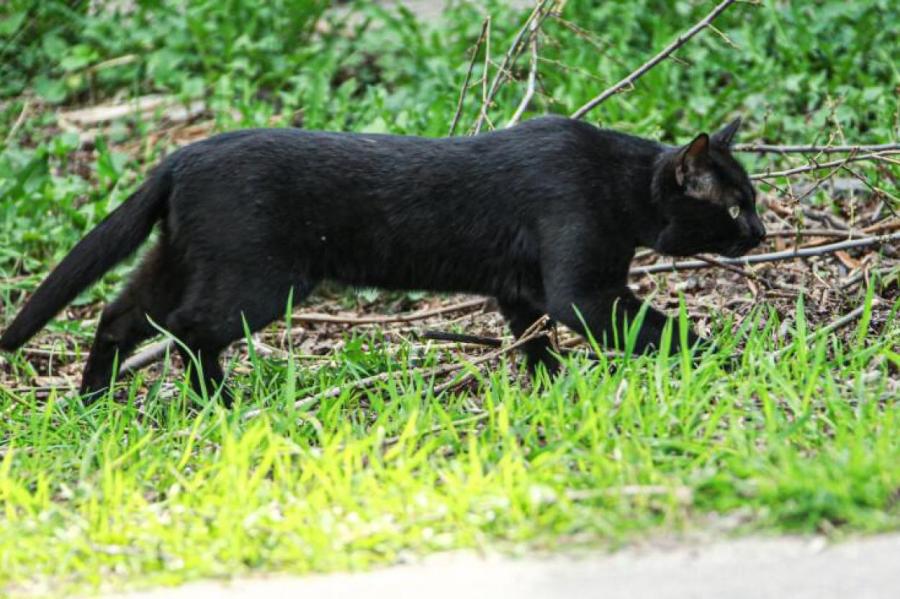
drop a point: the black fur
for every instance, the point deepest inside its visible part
(544, 216)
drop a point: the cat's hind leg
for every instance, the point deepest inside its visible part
(205, 324)
(126, 322)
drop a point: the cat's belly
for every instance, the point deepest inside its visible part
(515, 281)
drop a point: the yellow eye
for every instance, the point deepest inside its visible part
(734, 212)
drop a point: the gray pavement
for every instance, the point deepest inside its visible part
(757, 568)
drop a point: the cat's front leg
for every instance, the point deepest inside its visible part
(607, 315)
(521, 316)
(584, 272)
(590, 296)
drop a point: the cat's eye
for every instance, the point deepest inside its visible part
(734, 212)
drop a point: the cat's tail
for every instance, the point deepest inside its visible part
(114, 239)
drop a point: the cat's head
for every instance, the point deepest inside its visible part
(706, 200)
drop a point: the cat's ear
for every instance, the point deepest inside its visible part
(724, 136)
(692, 157)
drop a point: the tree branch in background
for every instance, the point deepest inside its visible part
(532, 77)
(640, 71)
(837, 164)
(539, 14)
(777, 149)
(485, 31)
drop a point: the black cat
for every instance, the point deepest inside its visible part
(544, 216)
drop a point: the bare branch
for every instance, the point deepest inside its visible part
(496, 342)
(640, 71)
(828, 232)
(770, 257)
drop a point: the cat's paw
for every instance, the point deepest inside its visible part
(705, 350)
(726, 360)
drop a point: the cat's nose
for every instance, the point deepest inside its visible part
(758, 230)
(761, 234)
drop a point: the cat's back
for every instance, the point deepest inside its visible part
(539, 135)
(291, 144)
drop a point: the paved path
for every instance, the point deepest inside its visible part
(782, 568)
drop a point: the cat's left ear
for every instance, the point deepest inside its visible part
(692, 159)
(724, 136)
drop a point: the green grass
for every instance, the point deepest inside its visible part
(803, 435)
(806, 442)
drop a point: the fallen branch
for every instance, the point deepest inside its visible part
(749, 274)
(879, 227)
(777, 149)
(147, 356)
(831, 327)
(102, 113)
(495, 342)
(640, 71)
(842, 321)
(462, 338)
(408, 317)
(48, 352)
(770, 257)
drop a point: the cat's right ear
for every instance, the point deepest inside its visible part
(692, 157)
(724, 136)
